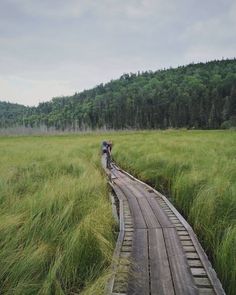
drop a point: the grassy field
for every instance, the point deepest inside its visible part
(56, 225)
(198, 170)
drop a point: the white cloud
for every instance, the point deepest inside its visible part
(52, 8)
(86, 42)
(212, 38)
(132, 9)
(30, 92)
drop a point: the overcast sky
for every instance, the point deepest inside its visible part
(50, 48)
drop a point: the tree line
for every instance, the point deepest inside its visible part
(199, 95)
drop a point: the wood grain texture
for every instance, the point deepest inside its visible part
(182, 277)
(135, 210)
(139, 278)
(161, 280)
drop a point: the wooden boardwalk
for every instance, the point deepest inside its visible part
(157, 252)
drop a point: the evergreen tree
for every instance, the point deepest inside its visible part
(193, 96)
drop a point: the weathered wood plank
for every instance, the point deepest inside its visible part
(117, 173)
(161, 216)
(195, 263)
(184, 238)
(136, 212)
(206, 291)
(118, 248)
(187, 243)
(202, 281)
(182, 277)
(161, 280)
(156, 208)
(192, 255)
(179, 229)
(118, 192)
(148, 214)
(138, 193)
(198, 271)
(139, 277)
(183, 233)
(189, 248)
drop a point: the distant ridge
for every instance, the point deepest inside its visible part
(199, 95)
(11, 113)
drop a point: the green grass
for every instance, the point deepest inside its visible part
(198, 170)
(56, 225)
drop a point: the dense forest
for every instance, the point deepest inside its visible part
(11, 113)
(199, 95)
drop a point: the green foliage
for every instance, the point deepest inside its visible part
(199, 96)
(56, 225)
(10, 113)
(198, 170)
(226, 125)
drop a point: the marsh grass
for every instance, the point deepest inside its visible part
(56, 225)
(198, 170)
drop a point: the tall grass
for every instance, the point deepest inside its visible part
(56, 225)
(198, 170)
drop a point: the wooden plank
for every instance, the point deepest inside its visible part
(173, 218)
(161, 216)
(139, 277)
(136, 212)
(125, 255)
(148, 214)
(139, 194)
(182, 277)
(194, 263)
(125, 248)
(198, 271)
(151, 208)
(183, 233)
(192, 255)
(216, 284)
(206, 291)
(187, 243)
(117, 173)
(156, 208)
(118, 191)
(118, 248)
(184, 238)
(161, 280)
(180, 228)
(189, 248)
(202, 281)
(127, 242)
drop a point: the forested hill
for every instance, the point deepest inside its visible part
(195, 96)
(11, 113)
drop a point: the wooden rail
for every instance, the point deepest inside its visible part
(157, 252)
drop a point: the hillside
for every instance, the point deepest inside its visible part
(10, 113)
(195, 96)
